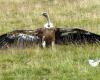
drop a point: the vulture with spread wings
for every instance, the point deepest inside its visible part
(63, 36)
(47, 35)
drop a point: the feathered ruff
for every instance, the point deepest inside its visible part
(50, 25)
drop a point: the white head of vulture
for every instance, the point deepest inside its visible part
(48, 24)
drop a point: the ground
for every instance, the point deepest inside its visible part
(68, 62)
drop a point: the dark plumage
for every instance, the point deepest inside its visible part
(46, 36)
(18, 38)
(67, 36)
(63, 36)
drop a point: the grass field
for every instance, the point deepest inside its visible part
(68, 62)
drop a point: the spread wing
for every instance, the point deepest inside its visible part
(66, 36)
(18, 38)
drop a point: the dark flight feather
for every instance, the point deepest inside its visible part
(66, 36)
(17, 37)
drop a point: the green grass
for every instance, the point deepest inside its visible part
(68, 62)
(64, 63)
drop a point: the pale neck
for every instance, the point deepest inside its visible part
(48, 21)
